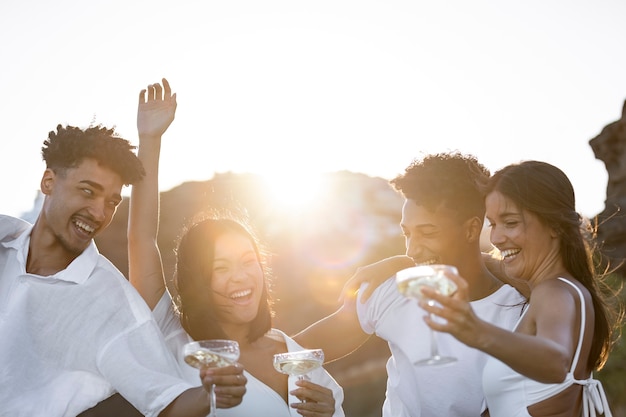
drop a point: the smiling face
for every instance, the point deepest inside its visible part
(433, 236)
(529, 248)
(80, 202)
(237, 278)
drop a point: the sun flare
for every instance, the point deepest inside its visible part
(293, 191)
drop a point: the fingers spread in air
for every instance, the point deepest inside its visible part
(167, 88)
(158, 91)
(142, 96)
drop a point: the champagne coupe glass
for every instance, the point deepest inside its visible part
(410, 282)
(213, 354)
(299, 363)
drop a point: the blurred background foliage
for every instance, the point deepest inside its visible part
(613, 374)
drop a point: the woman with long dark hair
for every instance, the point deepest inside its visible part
(543, 367)
(221, 284)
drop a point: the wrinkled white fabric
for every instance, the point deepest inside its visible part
(70, 340)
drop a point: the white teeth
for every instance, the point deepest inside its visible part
(509, 252)
(85, 226)
(241, 293)
(428, 262)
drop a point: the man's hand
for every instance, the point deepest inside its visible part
(156, 110)
(316, 400)
(230, 384)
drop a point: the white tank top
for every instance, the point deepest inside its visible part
(509, 394)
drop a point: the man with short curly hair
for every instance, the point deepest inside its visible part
(442, 219)
(72, 329)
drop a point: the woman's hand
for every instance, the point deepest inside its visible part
(456, 310)
(374, 274)
(318, 401)
(156, 110)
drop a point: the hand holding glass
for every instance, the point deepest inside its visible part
(212, 354)
(410, 282)
(299, 363)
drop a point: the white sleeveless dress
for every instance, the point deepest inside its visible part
(509, 394)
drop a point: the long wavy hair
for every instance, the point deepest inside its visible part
(544, 190)
(193, 274)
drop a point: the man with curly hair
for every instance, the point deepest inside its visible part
(442, 219)
(73, 331)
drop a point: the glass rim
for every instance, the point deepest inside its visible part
(423, 270)
(303, 352)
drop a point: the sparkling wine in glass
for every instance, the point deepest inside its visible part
(213, 354)
(410, 282)
(299, 363)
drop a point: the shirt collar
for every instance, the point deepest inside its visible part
(78, 271)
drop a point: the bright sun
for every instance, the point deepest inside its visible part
(293, 191)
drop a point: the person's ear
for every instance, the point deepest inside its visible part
(47, 181)
(473, 229)
(554, 233)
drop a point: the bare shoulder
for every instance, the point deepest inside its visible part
(557, 294)
(560, 285)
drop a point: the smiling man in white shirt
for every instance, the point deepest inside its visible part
(72, 329)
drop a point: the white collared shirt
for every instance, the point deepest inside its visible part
(69, 340)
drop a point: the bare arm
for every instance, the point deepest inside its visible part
(375, 274)
(378, 272)
(547, 331)
(338, 334)
(156, 109)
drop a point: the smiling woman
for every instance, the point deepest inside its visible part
(222, 290)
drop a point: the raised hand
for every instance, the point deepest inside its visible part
(155, 113)
(156, 110)
(316, 400)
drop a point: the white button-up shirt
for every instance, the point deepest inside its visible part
(69, 340)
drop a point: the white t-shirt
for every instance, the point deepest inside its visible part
(260, 400)
(70, 340)
(453, 390)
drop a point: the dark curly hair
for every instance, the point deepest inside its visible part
(69, 146)
(194, 272)
(452, 180)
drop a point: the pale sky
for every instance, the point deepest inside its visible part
(294, 88)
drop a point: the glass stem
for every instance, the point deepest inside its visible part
(212, 412)
(434, 348)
